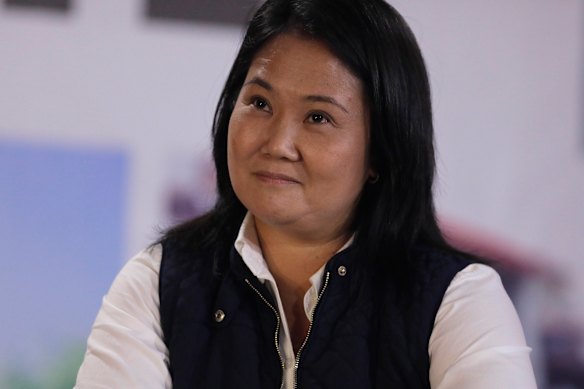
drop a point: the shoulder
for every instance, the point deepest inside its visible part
(180, 260)
(431, 271)
(432, 260)
(127, 328)
(476, 298)
(139, 276)
(135, 288)
(476, 280)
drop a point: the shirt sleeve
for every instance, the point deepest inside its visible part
(477, 341)
(125, 348)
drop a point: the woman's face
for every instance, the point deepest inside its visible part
(298, 139)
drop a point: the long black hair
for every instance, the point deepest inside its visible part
(375, 43)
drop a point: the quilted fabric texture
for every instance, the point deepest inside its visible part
(367, 331)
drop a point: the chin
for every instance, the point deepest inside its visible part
(275, 217)
(274, 214)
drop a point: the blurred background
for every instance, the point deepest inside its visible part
(105, 113)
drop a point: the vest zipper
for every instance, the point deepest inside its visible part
(297, 363)
(277, 333)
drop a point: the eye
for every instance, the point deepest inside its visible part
(318, 118)
(259, 103)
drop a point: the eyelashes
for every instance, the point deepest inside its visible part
(259, 103)
(314, 117)
(318, 118)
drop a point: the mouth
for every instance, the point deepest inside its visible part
(275, 178)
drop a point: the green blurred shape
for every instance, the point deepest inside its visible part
(60, 374)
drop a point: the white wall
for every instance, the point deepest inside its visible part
(508, 85)
(507, 76)
(104, 75)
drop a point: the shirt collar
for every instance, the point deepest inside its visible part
(248, 246)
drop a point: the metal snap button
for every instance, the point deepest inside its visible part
(342, 271)
(219, 316)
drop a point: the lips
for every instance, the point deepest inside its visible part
(275, 178)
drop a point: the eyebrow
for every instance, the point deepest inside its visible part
(326, 99)
(318, 98)
(261, 82)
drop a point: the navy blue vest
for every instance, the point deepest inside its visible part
(220, 328)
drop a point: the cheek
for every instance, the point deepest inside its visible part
(235, 136)
(350, 161)
(355, 169)
(238, 137)
(342, 174)
(240, 149)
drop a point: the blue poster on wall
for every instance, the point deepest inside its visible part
(61, 243)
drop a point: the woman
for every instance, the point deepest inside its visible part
(321, 264)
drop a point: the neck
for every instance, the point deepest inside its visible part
(293, 259)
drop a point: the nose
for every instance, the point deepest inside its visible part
(281, 140)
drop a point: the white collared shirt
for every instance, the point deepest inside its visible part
(477, 341)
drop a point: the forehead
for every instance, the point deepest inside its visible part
(295, 61)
